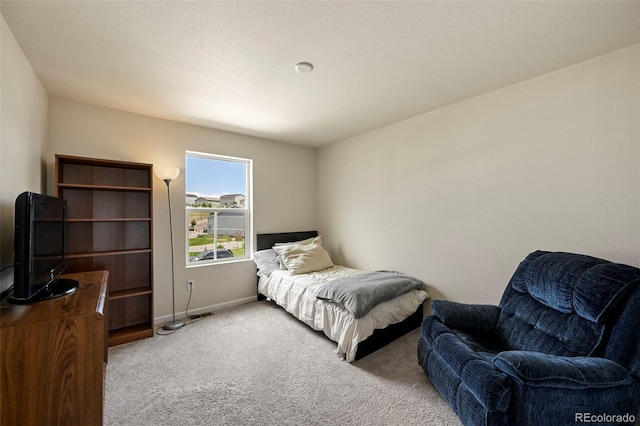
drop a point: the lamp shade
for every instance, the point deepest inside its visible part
(166, 173)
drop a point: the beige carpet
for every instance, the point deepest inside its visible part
(257, 365)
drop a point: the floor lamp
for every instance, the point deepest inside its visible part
(168, 175)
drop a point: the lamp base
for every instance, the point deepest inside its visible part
(173, 325)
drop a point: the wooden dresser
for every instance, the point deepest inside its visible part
(53, 357)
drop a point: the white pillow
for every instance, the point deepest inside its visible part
(266, 261)
(304, 258)
(313, 240)
(280, 247)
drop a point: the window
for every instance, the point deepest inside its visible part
(218, 208)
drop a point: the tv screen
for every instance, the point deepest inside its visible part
(40, 248)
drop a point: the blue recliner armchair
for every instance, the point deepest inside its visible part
(562, 348)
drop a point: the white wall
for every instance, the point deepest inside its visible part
(284, 188)
(23, 119)
(458, 196)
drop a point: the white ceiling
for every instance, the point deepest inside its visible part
(230, 65)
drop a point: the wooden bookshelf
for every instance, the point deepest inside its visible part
(111, 228)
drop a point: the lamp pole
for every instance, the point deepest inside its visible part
(168, 175)
(173, 325)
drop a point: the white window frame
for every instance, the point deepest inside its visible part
(248, 210)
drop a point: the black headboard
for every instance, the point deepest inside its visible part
(266, 241)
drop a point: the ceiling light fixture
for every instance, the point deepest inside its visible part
(304, 67)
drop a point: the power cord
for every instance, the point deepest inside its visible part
(8, 290)
(192, 318)
(186, 309)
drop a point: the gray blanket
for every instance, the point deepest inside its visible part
(361, 293)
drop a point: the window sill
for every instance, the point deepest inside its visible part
(218, 262)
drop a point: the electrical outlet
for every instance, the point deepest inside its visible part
(190, 284)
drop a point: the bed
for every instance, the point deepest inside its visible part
(355, 333)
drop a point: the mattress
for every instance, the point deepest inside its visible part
(297, 295)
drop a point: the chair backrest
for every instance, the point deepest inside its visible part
(568, 304)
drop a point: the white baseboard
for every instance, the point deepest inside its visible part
(206, 309)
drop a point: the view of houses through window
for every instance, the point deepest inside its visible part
(217, 207)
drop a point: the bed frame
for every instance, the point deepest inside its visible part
(380, 337)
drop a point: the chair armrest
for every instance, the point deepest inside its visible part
(543, 370)
(480, 319)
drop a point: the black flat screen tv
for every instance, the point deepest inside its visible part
(40, 245)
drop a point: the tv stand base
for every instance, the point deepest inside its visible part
(59, 287)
